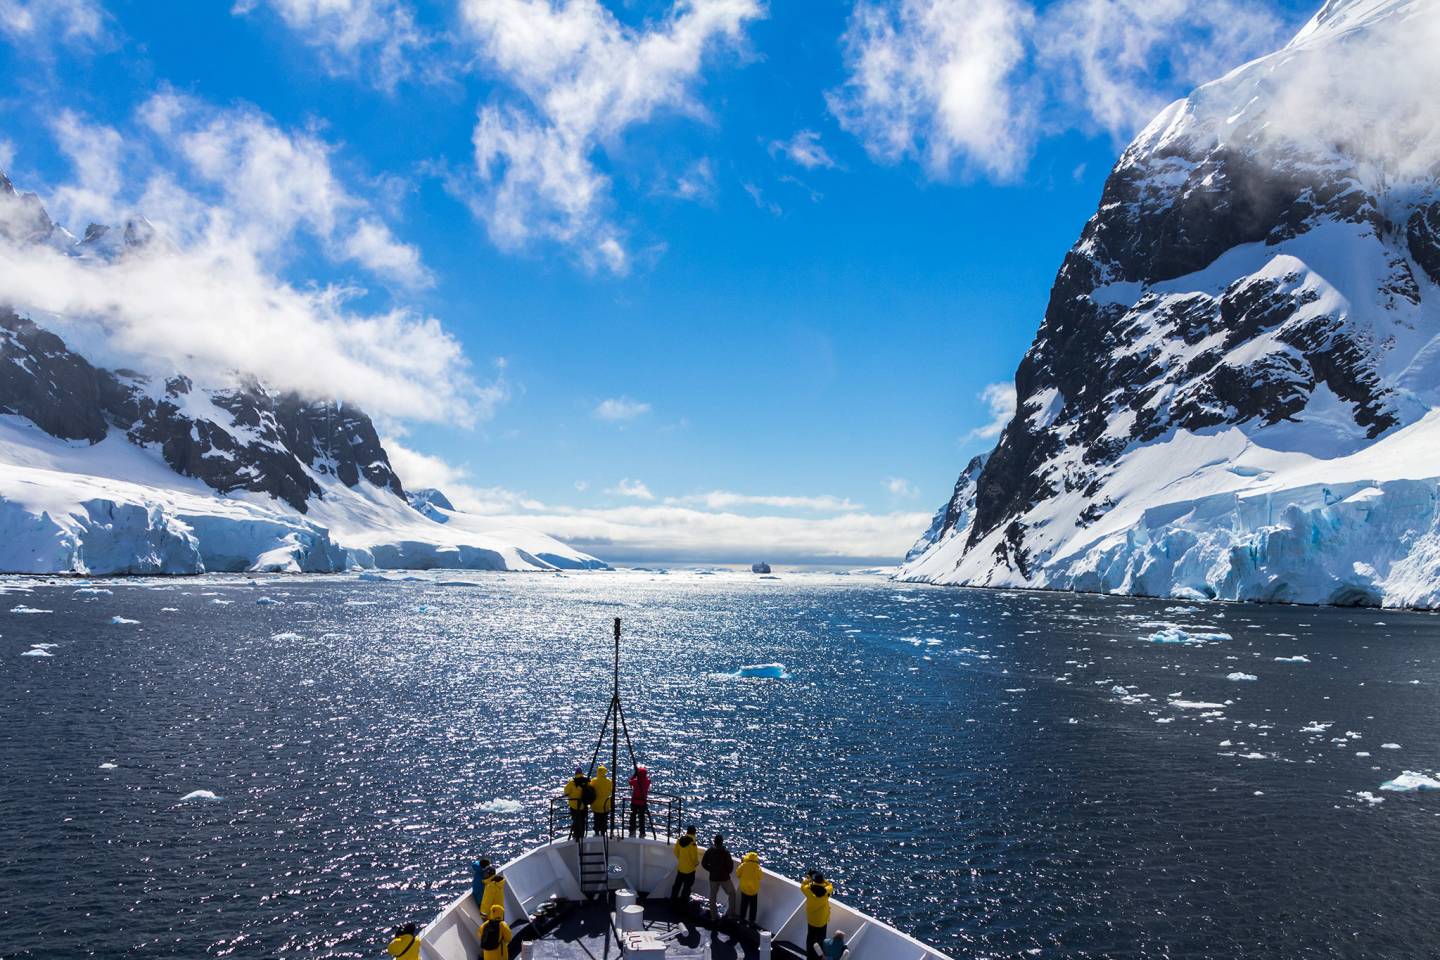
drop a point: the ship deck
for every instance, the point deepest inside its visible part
(585, 931)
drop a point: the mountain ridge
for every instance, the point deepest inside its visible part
(1251, 302)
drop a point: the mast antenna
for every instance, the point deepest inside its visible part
(614, 722)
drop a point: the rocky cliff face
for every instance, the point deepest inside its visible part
(243, 438)
(1247, 302)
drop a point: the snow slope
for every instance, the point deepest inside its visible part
(117, 508)
(1235, 391)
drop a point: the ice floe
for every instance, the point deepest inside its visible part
(37, 652)
(119, 620)
(199, 795)
(1299, 658)
(1178, 635)
(1389, 746)
(1411, 781)
(109, 766)
(762, 671)
(1239, 677)
(500, 805)
(24, 609)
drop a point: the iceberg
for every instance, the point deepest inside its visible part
(1411, 782)
(762, 671)
(1239, 677)
(199, 795)
(501, 806)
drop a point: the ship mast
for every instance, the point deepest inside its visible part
(614, 720)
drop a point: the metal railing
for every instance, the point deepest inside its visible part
(664, 819)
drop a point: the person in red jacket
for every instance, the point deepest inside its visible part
(639, 800)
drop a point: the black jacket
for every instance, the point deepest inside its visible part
(718, 864)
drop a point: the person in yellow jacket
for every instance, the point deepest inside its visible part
(494, 936)
(604, 799)
(749, 874)
(494, 895)
(577, 790)
(687, 860)
(817, 892)
(404, 943)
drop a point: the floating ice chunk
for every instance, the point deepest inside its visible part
(1252, 756)
(1239, 677)
(1015, 690)
(286, 637)
(1119, 691)
(37, 652)
(119, 620)
(1315, 726)
(1185, 637)
(1389, 746)
(267, 601)
(198, 795)
(368, 577)
(1368, 797)
(1363, 753)
(44, 646)
(95, 590)
(169, 609)
(222, 603)
(1410, 782)
(1196, 705)
(1182, 609)
(24, 609)
(500, 805)
(1226, 743)
(109, 766)
(1299, 658)
(762, 671)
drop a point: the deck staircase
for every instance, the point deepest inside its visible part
(594, 866)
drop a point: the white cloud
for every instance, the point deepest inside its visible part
(229, 193)
(725, 499)
(664, 533)
(938, 81)
(804, 149)
(616, 409)
(379, 38)
(7, 154)
(971, 85)
(46, 21)
(631, 488)
(1106, 55)
(900, 487)
(703, 528)
(999, 400)
(587, 78)
(375, 248)
(761, 201)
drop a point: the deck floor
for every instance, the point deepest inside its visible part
(584, 932)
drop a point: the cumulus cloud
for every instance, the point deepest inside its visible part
(804, 149)
(900, 487)
(999, 400)
(615, 409)
(631, 488)
(726, 500)
(664, 533)
(969, 86)
(48, 21)
(937, 81)
(378, 38)
(232, 197)
(700, 528)
(586, 79)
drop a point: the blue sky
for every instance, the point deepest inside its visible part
(725, 279)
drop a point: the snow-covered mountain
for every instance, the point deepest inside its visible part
(1235, 389)
(111, 471)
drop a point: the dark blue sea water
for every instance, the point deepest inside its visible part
(1001, 774)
